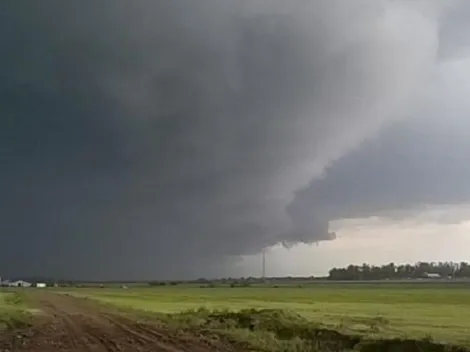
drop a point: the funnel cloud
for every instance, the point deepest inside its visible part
(165, 139)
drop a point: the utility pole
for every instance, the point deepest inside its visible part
(263, 268)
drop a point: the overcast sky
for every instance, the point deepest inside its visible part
(177, 139)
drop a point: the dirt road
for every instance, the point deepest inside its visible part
(74, 324)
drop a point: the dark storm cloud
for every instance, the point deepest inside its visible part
(151, 139)
(408, 168)
(416, 169)
(454, 24)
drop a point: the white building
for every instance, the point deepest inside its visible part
(40, 285)
(432, 276)
(19, 283)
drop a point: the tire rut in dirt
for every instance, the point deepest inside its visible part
(67, 328)
(74, 324)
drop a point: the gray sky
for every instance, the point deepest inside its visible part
(177, 139)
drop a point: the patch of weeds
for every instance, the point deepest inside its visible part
(13, 313)
(267, 329)
(13, 299)
(286, 331)
(368, 324)
(14, 320)
(407, 345)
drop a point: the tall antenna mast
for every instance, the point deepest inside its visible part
(264, 264)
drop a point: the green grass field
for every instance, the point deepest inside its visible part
(437, 311)
(14, 312)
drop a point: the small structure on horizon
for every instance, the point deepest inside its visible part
(40, 285)
(19, 283)
(263, 265)
(432, 276)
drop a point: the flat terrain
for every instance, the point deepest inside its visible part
(71, 324)
(440, 311)
(314, 317)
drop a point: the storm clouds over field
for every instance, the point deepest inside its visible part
(164, 139)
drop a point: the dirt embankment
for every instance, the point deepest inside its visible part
(72, 324)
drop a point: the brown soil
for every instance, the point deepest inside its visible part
(74, 324)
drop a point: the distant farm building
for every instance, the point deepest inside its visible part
(40, 285)
(432, 276)
(19, 283)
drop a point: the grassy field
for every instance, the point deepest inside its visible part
(14, 312)
(432, 311)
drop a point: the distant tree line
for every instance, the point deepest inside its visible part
(406, 271)
(389, 271)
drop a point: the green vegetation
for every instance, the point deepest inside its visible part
(281, 331)
(407, 271)
(262, 315)
(13, 311)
